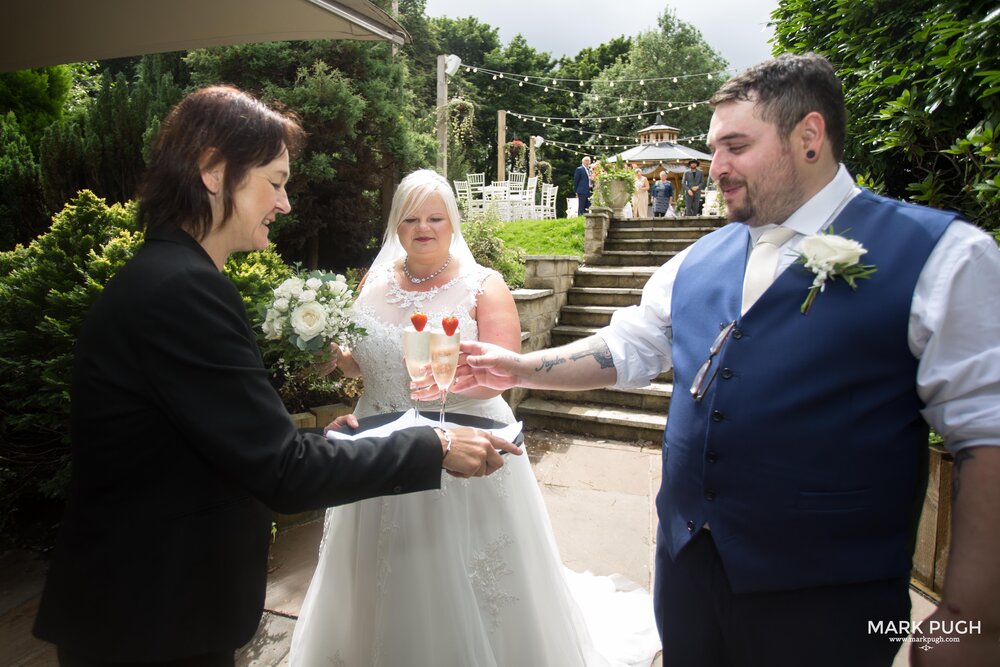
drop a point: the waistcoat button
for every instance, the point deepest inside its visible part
(710, 495)
(716, 416)
(727, 373)
(712, 457)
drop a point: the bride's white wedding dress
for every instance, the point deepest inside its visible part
(467, 576)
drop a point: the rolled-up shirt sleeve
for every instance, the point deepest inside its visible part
(639, 337)
(955, 332)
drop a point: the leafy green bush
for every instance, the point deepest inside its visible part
(46, 290)
(482, 233)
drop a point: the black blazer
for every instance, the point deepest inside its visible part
(181, 450)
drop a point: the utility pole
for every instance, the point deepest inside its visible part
(501, 143)
(442, 117)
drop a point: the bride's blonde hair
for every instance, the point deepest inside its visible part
(412, 192)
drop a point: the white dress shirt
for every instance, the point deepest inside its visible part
(954, 322)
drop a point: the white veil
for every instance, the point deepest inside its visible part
(412, 191)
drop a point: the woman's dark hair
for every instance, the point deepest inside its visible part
(784, 90)
(214, 125)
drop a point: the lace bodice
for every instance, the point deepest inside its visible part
(383, 308)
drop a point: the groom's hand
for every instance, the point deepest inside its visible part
(473, 453)
(485, 365)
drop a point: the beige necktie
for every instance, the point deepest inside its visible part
(763, 263)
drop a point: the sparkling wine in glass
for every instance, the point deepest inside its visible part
(416, 352)
(444, 363)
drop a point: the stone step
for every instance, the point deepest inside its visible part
(586, 316)
(692, 233)
(632, 258)
(603, 296)
(654, 397)
(628, 277)
(601, 421)
(698, 221)
(656, 246)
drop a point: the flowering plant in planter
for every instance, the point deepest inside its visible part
(614, 184)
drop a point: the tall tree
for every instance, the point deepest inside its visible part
(38, 97)
(667, 69)
(355, 102)
(22, 210)
(922, 87)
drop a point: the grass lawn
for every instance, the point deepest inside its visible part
(562, 236)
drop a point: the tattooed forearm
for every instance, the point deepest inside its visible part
(961, 457)
(548, 364)
(600, 353)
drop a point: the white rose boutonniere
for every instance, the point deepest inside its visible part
(830, 256)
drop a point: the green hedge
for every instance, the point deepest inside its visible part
(46, 289)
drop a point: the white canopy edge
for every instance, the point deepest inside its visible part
(52, 32)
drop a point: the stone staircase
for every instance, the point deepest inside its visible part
(633, 250)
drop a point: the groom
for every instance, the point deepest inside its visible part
(795, 454)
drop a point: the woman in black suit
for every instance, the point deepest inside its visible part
(181, 448)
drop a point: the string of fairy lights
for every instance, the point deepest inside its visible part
(567, 125)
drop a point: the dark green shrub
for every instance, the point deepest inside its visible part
(482, 233)
(46, 289)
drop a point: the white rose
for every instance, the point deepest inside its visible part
(307, 295)
(272, 326)
(314, 284)
(280, 305)
(291, 287)
(309, 320)
(828, 250)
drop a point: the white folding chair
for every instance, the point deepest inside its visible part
(476, 183)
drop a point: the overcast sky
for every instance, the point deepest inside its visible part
(737, 29)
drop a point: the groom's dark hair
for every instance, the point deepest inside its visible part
(786, 89)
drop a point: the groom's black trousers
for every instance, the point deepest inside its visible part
(704, 624)
(224, 659)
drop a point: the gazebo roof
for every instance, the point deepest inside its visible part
(663, 151)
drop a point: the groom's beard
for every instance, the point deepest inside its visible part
(769, 197)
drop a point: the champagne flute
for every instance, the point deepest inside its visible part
(444, 362)
(416, 353)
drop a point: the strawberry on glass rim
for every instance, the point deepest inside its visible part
(449, 324)
(419, 320)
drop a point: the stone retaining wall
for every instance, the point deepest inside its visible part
(547, 280)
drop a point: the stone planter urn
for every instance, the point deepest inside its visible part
(619, 197)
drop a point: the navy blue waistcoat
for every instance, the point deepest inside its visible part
(807, 456)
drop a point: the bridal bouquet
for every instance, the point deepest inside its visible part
(309, 311)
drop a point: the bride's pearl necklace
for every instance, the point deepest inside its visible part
(417, 281)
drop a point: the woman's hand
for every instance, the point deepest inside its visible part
(425, 388)
(343, 359)
(338, 424)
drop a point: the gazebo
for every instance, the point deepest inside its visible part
(658, 151)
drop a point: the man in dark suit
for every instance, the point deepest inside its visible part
(692, 184)
(181, 448)
(583, 185)
(795, 453)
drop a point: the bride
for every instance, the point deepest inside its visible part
(468, 575)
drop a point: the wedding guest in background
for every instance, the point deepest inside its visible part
(640, 198)
(795, 453)
(583, 185)
(692, 184)
(663, 197)
(182, 450)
